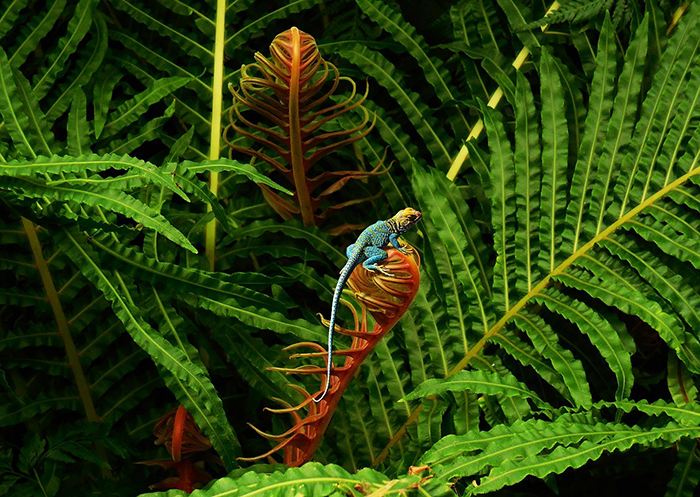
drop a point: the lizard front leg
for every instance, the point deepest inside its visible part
(394, 240)
(374, 256)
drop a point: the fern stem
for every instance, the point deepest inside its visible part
(295, 133)
(61, 321)
(169, 322)
(39, 483)
(675, 19)
(397, 436)
(215, 139)
(496, 97)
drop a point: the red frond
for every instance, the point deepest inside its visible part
(289, 409)
(282, 206)
(299, 370)
(278, 447)
(185, 442)
(311, 345)
(290, 91)
(321, 354)
(180, 435)
(349, 203)
(386, 297)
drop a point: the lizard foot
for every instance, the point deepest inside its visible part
(381, 270)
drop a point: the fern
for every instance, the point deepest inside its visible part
(373, 63)
(522, 293)
(141, 270)
(406, 35)
(686, 476)
(574, 11)
(86, 192)
(315, 479)
(506, 454)
(476, 381)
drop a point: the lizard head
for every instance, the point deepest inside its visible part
(406, 218)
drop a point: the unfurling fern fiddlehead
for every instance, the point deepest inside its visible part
(287, 93)
(386, 298)
(186, 443)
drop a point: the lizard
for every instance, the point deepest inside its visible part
(368, 250)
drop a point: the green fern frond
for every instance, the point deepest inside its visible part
(573, 11)
(506, 454)
(190, 381)
(576, 239)
(89, 61)
(259, 318)
(12, 12)
(78, 132)
(254, 360)
(56, 165)
(317, 479)
(190, 42)
(129, 111)
(150, 131)
(116, 201)
(374, 64)
(77, 29)
(241, 35)
(469, 267)
(177, 278)
(16, 412)
(686, 473)
(562, 458)
(611, 231)
(477, 382)
(11, 110)
(435, 73)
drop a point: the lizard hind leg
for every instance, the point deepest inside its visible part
(350, 250)
(374, 256)
(349, 254)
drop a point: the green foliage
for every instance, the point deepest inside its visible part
(314, 479)
(553, 341)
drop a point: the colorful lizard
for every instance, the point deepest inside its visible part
(368, 250)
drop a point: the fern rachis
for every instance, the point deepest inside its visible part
(573, 259)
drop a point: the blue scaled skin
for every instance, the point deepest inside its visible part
(368, 250)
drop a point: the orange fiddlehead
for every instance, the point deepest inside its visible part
(286, 92)
(186, 443)
(386, 298)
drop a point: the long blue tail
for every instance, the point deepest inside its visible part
(342, 279)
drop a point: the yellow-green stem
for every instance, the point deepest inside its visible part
(463, 154)
(565, 265)
(61, 321)
(215, 139)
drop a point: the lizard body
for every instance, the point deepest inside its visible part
(368, 249)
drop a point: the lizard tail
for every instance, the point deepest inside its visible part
(329, 365)
(344, 275)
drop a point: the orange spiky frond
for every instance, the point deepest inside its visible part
(180, 434)
(185, 442)
(291, 95)
(386, 298)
